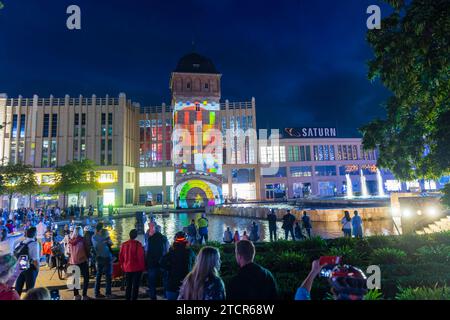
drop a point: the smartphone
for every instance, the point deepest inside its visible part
(326, 272)
(328, 262)
(54, 294)
(24, 263)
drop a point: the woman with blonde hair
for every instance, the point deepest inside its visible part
(203, 282)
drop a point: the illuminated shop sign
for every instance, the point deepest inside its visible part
(107, 176)
(312, 132)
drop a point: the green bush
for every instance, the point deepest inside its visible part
(409, 243)
(388, 256)
(291, 261)
(380, 241)
(423, 293)
(348, 254)
(374, 294)
(438, 253)
(405, 261)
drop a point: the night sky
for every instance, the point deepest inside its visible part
(304, 61)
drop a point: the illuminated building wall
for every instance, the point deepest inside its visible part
(198, 182)
(195, 86)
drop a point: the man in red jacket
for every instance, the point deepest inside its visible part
(131, 260)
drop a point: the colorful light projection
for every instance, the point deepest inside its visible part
(198, 193)
(199, 119)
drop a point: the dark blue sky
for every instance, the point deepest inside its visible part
(304, 61)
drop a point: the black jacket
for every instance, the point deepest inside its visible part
(252, 282)
(288, 221)
(272, 218)
(178, 262)
(157, 247)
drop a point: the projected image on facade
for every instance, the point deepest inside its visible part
(198, 180)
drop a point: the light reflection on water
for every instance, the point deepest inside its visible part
(174, 222)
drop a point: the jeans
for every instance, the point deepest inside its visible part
(358, 232)
(203, 232)
(273, 234)
(103, 265)
(27, 277)
(286, 233)
(133, 280)
(171, 295)
(84, 272)
(152, 277)
(347, 232)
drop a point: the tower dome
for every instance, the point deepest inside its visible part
(195, 63)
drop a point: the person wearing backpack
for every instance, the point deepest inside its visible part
(28, 248)
(157, 247)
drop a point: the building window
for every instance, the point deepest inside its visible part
(355, 152)
(53, 153)
(128, 196)
(332, 156)
(46, 124)
(206, 86)
(344, 153)
(83, 150)
(76, 121)
(282, 154)
(14, 126)
(188, 85)
(103, 119)
(54, 125)
(75, 149)
(280, 174)
(20, 156)
(301, 171)
(325, 170)
(22, 126)
(150, 179)
(13, 149)
(83, 119)
(45, 147)
(110, 119)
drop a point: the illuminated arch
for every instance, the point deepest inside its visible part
(212, 193)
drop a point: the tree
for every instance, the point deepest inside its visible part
(17, 179)
(412, 59)
(75, 177)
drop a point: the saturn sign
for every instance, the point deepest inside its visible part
(310, 132)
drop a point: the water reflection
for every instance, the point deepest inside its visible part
(172, 223)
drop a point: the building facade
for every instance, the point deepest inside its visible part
(131, 144)
(49, 132)
(138, 155)
(318, 162)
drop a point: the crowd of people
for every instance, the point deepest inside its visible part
(182, 274)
